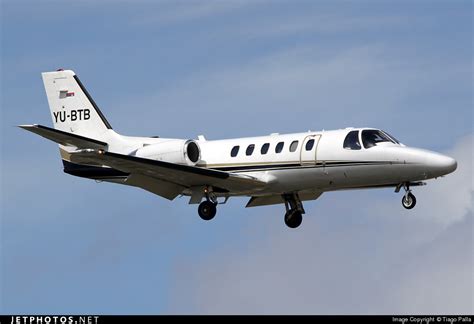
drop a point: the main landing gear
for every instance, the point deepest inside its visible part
(294, 210)
(409, 199)
(208, 208)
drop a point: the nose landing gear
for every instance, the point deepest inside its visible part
(294, 210)
(409, 199)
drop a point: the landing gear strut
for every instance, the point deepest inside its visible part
(294, 210)
(207, 209)
(408, 200)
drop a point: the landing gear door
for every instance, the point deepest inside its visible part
(309, 150)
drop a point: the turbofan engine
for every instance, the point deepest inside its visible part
(174, 151)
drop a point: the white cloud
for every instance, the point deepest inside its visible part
(438, 276)
(348, 259)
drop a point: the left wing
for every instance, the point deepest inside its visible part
(178, 174)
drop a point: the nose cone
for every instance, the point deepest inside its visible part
(439, 164)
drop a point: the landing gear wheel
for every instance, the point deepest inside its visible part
(293, 218)
(207, 210)
(409, 201)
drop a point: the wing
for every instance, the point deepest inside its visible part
(65, 138)
(179, 177)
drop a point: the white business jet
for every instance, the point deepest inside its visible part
(275, 169)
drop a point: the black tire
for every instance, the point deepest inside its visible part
(293, 218)
(207, 210)
(409, 201)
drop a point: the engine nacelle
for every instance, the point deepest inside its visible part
(175, 151)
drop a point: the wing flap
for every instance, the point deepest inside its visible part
(278, 199)
(161, 188)
(65, 138)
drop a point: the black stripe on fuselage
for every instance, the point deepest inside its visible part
(95, 172)
(101, 115)
(92, 172)
(269, 167)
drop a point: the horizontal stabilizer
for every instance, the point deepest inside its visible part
(65, 138)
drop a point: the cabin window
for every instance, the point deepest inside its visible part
(293, 146)
(279, 147)
(352, 141)
(309, 145)
(371, 137)
(250, 149)
(265, 148)
(235, 151)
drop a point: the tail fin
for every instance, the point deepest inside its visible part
(72, 108)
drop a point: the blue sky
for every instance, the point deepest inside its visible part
(232, 69)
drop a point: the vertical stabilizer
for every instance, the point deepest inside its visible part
(72, 108)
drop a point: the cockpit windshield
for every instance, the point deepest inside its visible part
(391, 137)
(371, 137)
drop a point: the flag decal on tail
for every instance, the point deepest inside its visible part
(65, 94)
